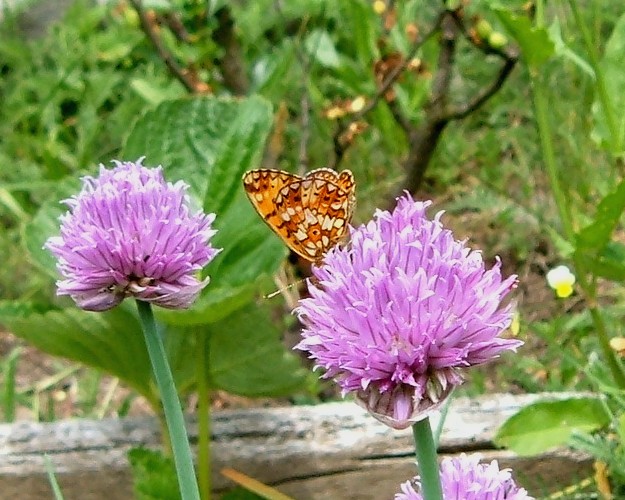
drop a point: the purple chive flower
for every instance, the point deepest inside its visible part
(394, 315)
(131, 233)
(465, 478)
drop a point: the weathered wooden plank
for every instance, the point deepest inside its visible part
(310, 452)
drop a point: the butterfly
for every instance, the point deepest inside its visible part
(310, 214)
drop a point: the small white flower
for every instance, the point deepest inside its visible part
(561, 279)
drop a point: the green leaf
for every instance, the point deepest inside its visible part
(45, 223)
(621, 428)
(361, 20)
(612, 65)
(239, 493)
(319, 45)
(545, 425)
(563, 50)
(247, 357)
(111, 341)
(241, 149)
(209, 143)
(608, 264)
(153, 93)
(214, 305)
(153, 474)
(597, 234)
(535, 43)
(249, 247)
(206, 141)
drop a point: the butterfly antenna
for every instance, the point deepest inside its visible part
(283, 289)
(285, 281)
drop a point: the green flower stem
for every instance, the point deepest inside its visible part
(425, 449)
(541, 111)
(171, 404)
(204, 432)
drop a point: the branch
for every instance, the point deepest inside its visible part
(231, 64)
(167, 57)
(339, 148)
(483, 96)
(435, 108)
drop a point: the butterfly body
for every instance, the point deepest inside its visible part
(310, 214)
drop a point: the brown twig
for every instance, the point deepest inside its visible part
(176, 70)
(231, 64)
(394, 74)
(424, 139)
(176, 26)
(484, 95)
(508, 55)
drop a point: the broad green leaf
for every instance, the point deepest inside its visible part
(209, 143)
(612, 65)
(319, 45)
(545, 425)
(247, 357)
(46, 223)
(110, 341)
(206, 141)
(153, 93)
(216, 303)
(596, 235)
(241, 149)
(536, 46)
(249, 247)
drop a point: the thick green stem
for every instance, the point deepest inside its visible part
(425, 450)
(204, 432)
(541, 110)
(171, 404)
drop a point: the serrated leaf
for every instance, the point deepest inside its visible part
(536, 46)
(247, 357)
(548, 424)
(206, 141)
(597, 234)
(110, 341)
(249, 247)
(241, 149)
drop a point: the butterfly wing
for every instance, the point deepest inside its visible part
(309, 214)
(317, 211)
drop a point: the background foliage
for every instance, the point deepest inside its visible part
(279, 84)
